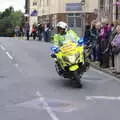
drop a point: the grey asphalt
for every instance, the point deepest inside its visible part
(31, 71)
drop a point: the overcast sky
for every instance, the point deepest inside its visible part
(17, 4)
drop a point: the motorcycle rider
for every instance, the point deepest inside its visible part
(64, 31)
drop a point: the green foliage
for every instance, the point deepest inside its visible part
(8, 20)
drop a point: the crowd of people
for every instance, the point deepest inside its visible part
(39, 31)
(103, 39)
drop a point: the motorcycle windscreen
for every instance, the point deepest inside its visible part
(68, 48)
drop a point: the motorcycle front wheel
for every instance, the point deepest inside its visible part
(76, 79)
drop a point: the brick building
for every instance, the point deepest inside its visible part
(109, 9)
(75, 12)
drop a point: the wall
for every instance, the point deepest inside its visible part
(91, 5)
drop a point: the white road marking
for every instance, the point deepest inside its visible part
(46, 107)
(3, 48)
(18, 68)
(11, 58)
(16, 65)
(8, 54)
(102, 98)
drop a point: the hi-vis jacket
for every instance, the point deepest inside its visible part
(70, 35)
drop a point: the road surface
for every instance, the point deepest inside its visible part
(30, 88)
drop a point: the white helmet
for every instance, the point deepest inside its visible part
(62, 24)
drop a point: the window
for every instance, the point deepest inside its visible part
(71, 21)
(34, 3)
(77, 14)
(70, 14)
(78, 21)
(74, 20)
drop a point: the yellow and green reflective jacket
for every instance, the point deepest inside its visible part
(70, 35)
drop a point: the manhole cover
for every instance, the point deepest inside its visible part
(55, 105)
(61, 105)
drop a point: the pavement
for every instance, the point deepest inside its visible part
(106, 70)
(31, 89)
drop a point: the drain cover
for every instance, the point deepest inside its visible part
(60, 105)
(55, 105)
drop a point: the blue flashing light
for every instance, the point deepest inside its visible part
(81, 41)
(54, 49)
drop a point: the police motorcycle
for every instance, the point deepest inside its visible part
(70, 61)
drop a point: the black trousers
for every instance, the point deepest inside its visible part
(113, 61)
(27, 35)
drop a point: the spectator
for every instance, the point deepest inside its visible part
(87, 34)
(47, 30)
(17, 28)
(21, 29)
(87, 40)
(34, 32)
(98, 28)
(27, 30)
(104, 43)
(112, 35)
(116, 46)
(40, 31)
(93, 40)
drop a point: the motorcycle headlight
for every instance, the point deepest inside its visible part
(72, 59)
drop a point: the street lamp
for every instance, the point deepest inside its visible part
(84, 14)
(117, 8)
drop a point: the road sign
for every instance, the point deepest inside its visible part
(34, 13)
(73, 7)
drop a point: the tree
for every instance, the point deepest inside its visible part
(17, 18)
(8, 20)
(8, 12)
